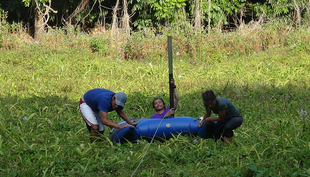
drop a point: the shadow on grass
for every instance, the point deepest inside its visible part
(256, 100)
(258, 104)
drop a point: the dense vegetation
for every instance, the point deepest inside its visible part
(263, 68)
(41, 15)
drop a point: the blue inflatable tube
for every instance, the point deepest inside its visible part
(164, 129)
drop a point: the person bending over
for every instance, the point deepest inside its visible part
(94, 107)
(229, 117)
(160, 107)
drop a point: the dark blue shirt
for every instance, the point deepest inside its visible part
(99, 99)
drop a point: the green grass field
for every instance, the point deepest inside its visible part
(42, 132)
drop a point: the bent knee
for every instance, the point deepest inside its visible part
(94, 128)
(234, 123)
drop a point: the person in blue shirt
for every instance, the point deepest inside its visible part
(229, 117)
(94, 107)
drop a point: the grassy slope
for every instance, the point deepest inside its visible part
(269, 88)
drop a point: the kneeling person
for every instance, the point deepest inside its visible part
(229, 117)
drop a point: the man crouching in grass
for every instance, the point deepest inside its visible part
(94, 107)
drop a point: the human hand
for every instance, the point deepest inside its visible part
(200, 124)
(170, 112)
(124, 126)
(172, 81)
(134, 123)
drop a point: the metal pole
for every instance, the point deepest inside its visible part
(170, 71)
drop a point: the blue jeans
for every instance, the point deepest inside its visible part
(225, 129)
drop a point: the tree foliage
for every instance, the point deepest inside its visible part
(156, 13)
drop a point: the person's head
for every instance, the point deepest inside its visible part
(158, 104)
(209, 99)
(119, 100)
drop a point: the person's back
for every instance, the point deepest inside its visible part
(99, 99)
(225, 104)
(94, 106)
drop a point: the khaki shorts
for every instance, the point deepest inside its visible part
(89, 116)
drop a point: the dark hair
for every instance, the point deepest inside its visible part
(159, 99)
(208, 96)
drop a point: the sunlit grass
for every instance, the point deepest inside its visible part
(42, 132)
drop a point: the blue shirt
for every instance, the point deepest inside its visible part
(99, 99)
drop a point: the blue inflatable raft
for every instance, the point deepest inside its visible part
(167, 128)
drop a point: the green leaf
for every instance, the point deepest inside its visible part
(252, 167)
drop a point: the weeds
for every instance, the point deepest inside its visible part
(148, 43)
(263, 70)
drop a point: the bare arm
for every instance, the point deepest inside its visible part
(207, 114)
(176, 97)
(221, 117)
(106, 121)
(207, 119)
(123, 115)
(175, 93)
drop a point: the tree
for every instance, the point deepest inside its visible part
(41, 14)
(78, 9)
(292, 10)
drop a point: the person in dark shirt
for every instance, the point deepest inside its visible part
(229, 117)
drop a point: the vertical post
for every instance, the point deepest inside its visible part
(170, 71)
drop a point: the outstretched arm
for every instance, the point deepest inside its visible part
(207, 119)
(221, 117)
(123, 115)
(175, 93)
(107, 122)
(205, 116)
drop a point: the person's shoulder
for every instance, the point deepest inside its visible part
(103, 90)
(222, 99)
(108, 91)
(94, 90)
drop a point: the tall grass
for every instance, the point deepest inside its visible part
(151, 43)
(261, 69)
